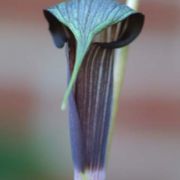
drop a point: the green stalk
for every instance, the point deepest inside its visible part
(134, 4)
(119, 73)
(90, 176)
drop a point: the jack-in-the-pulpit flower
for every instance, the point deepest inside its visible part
(92, 30)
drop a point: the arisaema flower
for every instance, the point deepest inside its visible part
(91, 30)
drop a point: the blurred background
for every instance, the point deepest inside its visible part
(34, 134)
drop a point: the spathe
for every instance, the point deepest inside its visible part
(92, 29)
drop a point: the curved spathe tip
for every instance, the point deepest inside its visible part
(133, 26)
(56, 29)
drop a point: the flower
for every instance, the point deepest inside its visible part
(92, 30)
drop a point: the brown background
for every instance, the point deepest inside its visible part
(146, 145)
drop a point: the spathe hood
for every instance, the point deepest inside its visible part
(84, 19)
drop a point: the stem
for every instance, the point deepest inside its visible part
(133, 4)
(119, 70)
(119, 73)
(90, 175)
